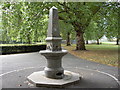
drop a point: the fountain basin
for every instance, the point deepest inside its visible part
(53, 53)
(54, 67)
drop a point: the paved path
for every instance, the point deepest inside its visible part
(15, 62)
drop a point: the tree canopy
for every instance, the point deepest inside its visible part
(27, 21)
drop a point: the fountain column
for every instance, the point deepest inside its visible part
(53, 51)
(53, 74)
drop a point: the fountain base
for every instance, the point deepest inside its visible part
(39, 79)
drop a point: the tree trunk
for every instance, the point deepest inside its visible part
(80, 43)
(68, 39)
(28, 39)
(87, 42)
(98, 42)
(36, 36)
(117, 41)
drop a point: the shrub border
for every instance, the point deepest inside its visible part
(21, 49)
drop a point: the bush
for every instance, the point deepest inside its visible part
(21, 48)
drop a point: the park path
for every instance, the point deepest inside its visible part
(26, 60)
(17, 67)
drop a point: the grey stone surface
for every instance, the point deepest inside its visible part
(54, 67)
(53, 26)
(53, 74)
(54, 53)
(53, 36)
(69, 77)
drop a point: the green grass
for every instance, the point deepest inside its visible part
(102, 47)
(103, 53)
(110, 43)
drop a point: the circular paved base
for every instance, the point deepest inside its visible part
(90, 79)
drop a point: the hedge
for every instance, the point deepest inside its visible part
(21, 49)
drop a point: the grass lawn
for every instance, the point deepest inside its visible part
(104, 53)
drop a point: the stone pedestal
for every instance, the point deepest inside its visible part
(53, 73)
(54, 67)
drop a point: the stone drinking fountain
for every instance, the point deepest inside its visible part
(53, 74)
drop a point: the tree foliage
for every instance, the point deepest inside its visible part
(27, 21)
(106, 21)
(24, 22)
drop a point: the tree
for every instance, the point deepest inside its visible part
(0, 22)
(23, 22)
(66, 32)
(79, 15)
(28, 20)
(95, 30)
(112, 18)
(104, 23)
